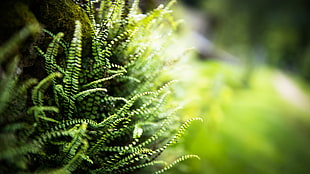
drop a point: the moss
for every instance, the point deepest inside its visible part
(60, 16)
(53, 15)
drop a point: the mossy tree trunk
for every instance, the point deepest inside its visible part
(53, 15)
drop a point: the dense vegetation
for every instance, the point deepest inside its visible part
(102, 104)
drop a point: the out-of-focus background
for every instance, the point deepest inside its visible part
(249, 81)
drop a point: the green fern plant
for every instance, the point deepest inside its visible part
(13, 95)
(107, 112)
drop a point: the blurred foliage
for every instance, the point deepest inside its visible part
(247, 129)
(273, 32)
(256, 112)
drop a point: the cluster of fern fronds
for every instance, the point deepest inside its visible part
(105, 112)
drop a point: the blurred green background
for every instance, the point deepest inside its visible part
(249, 81)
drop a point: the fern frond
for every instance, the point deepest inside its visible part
(178, 134)
(130, 102)
(113, 44)
(110, 103)
(116, 162)
(50, 135)
(97, 50)
(94, 84)
(156, 93)
(114, 17)
(74, 163)
(71, 149)
(170, 4)
(125, 13)
(152, 17)
(81, 95)
(180, 159)
(39, 112)
(124, 77)
(66, 124)
(155, 136)
(62, 42)
(105, 136)
(130, 148)
(133, 57)
(104, 10)
(120, 69)
(11, 128)
(72, 70)
(132, 158)
(51, 53)
(144, 165)
(59, 95)
(113, 99)
(38, 90)
(134, 8)
(111, 136)
(90, 12)
(26, 85)
(71, 77)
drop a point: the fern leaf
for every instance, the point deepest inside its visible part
(83, 94)
(134, 8)
(69, 123)
(39, 89)
(74, 163)
(117, 162)
(90, 12)
(178, 134)
(132, 158)
(180, 159)
(144, 165)
(51, 53)
(124, 77)
(105, 136)
(93, 84)
(39, 112)
(71, 78)
(78, 139)
(62, 42)
(131, 102)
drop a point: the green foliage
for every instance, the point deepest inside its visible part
(13, 144)
(254, 129)
(105, 113)
(261, 31)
